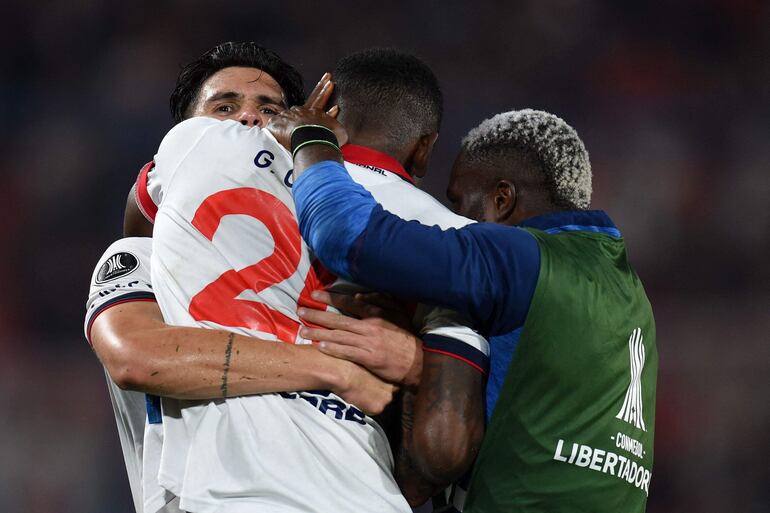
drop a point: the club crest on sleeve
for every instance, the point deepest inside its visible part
(117, 266)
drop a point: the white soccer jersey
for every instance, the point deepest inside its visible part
(227, 253)
(123, 275)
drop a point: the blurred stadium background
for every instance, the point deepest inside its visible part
(672, 100)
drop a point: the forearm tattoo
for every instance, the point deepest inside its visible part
(226, 367)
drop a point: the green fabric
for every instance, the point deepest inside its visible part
(566, 385)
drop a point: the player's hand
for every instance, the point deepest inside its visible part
(365, 390)
(319, 96)
(392, 353)
(311, 113)
(365, 305)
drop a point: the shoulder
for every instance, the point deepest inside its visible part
(186, 134)
(206, 140)
(199, 148)
(194, 131)
(404, 199)
(202, 133)
(121, 274)
(128, 254)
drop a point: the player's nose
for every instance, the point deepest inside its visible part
(251, 117)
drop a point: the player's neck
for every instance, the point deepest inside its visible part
(522, 214)
(376, 143)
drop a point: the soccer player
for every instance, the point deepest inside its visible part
(386, 175)
(247, 83)
(143, 355)
(571, 393)
(124, 323)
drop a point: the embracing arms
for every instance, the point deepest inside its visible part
(142, 353)
(484, 271)
(442, 418)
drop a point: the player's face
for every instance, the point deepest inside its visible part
(465, 193)
(248, 95)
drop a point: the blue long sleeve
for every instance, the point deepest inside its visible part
(488, 272)
(332, 211)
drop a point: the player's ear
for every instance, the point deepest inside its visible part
(421, 154)
(504, 201)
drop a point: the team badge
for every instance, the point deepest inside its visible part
(117, 266)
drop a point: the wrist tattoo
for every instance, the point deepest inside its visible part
(226, 367)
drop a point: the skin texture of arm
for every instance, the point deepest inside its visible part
(134, 222)
(442, 423)
(142, 353)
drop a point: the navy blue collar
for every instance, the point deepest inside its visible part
(572, 221)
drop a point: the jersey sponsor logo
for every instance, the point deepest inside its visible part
(329, 405)
(373, 168)
(117, 266)
(631, 411)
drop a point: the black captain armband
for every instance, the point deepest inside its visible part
(305, 135)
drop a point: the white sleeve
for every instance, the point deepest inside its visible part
(121, 275)
(447, 332)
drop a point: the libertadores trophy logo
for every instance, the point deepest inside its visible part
(117, 266)
(631, 411)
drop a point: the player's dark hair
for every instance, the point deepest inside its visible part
(390, 92)
(225, 55)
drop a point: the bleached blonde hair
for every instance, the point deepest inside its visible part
(555, 144)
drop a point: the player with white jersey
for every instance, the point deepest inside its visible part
(220, 83)
(387, 104)
(142, 355)
(204, 260)
(227, 254)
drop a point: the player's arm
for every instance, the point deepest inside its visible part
(493, 269)
(442, 427)
(442, 405)
(125, 327)
(486, 272)
(142, 353)
(135, 222)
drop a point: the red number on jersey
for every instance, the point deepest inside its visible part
(217, 301)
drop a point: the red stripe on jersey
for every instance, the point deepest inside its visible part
(456, 357)
(107, 307)
(143, 199)
(363, 156)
